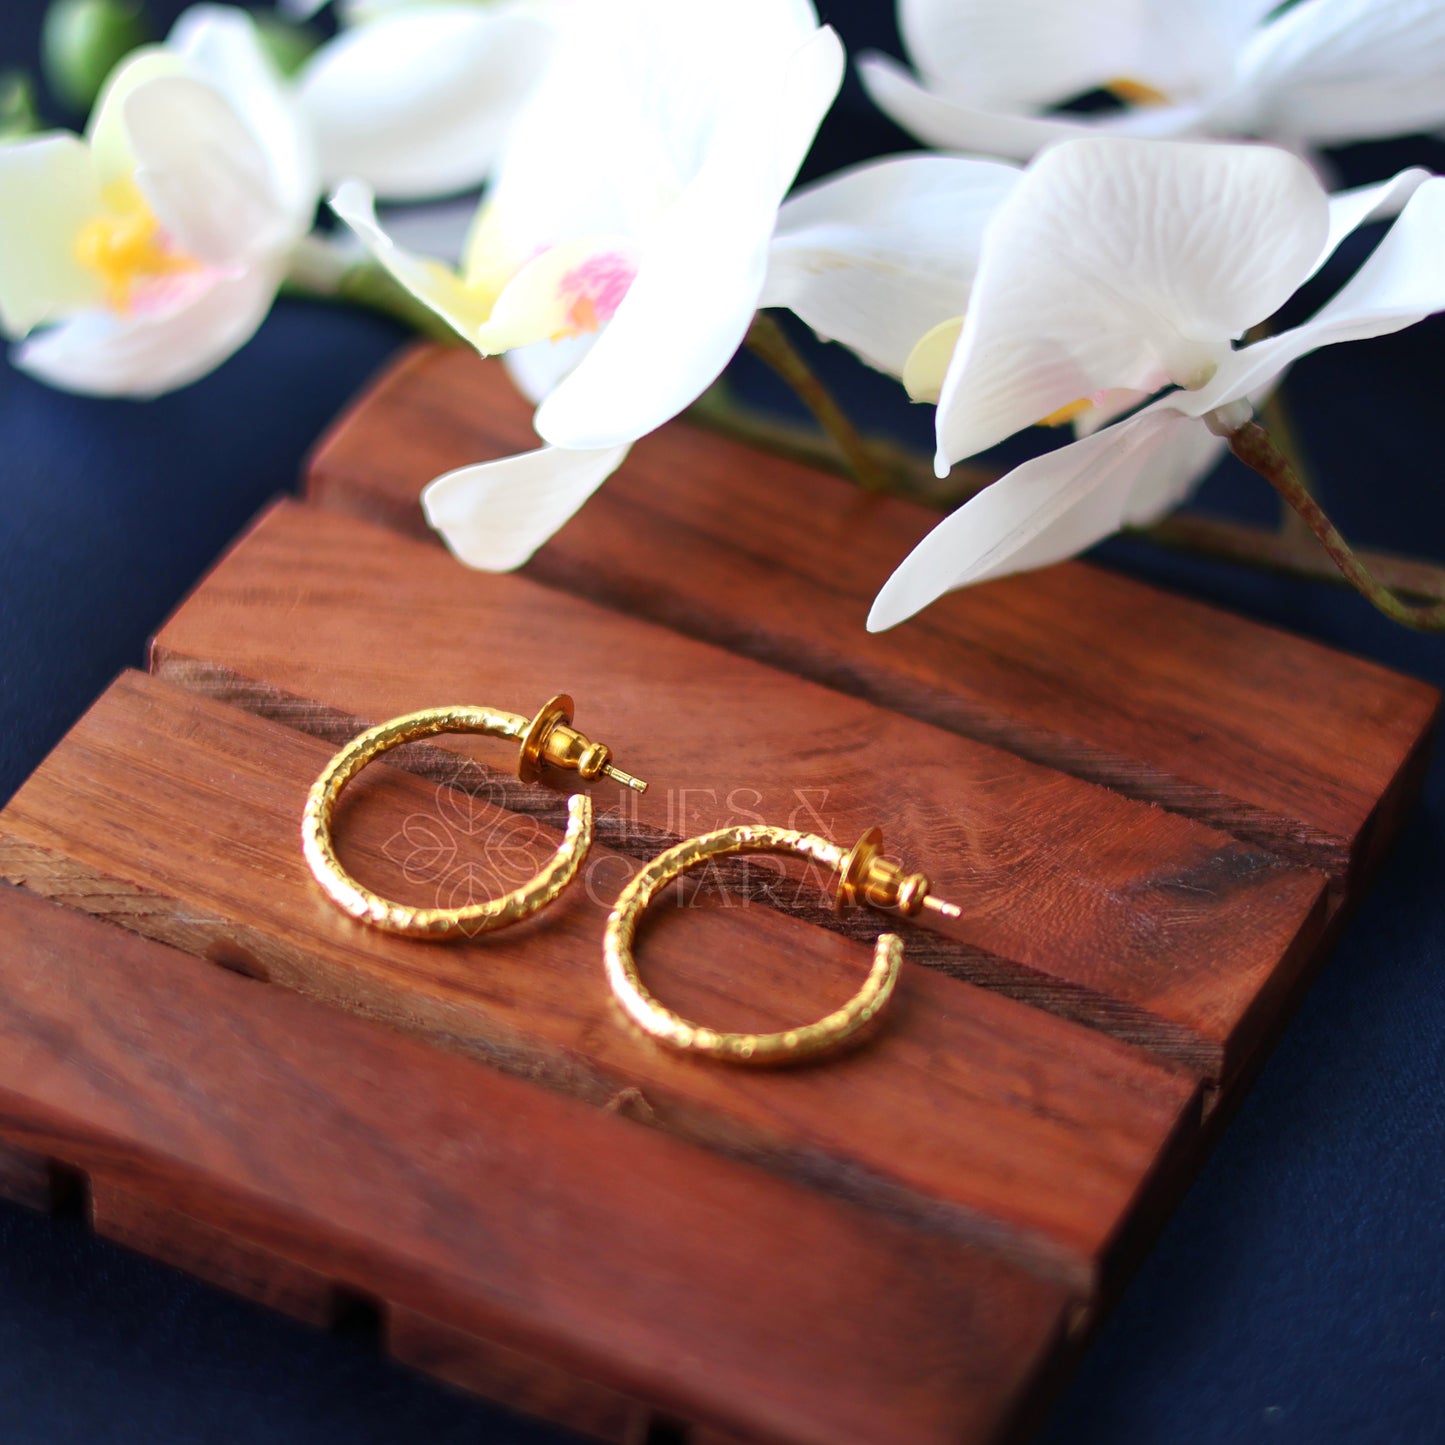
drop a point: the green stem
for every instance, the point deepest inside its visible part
(1269, 550)
(905, 473)
(1274, 413)
(1255, 448)
(767, 340)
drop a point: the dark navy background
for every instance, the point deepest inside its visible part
(1297, 1296)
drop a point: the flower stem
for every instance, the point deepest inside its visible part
(1276, 418)
(904, 472)
(1256, 449)
(768, 341)
(1267, 549)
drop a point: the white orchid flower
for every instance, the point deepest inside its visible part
(1143, 279)
(418, 101)
(885, 253)
(622, 251)
(1319, 72)
(152, 249)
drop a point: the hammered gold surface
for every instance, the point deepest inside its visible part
(672, 1030)
(433, 923)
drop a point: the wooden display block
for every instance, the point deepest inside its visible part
(1153, 816)
(1265, 735)
(1106, 910)
(974, 1114)
(504, 1233)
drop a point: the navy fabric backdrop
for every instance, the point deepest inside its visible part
(1297, 1296)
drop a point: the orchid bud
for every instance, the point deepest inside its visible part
(84, 40)
(288, 43)
(18, 115)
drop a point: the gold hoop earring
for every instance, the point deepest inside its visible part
(546, 741)
(861, 875)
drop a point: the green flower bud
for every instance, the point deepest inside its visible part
(288, 44)
(84, 40)
(18, 114)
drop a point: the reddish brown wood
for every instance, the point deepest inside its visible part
(634, 1263)
(25, 1178)
(1142, 922)
(149, 1226)
(1273, 738)
(178, 817)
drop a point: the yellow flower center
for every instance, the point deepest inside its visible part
(126, 247)
(1135, 92)
(1066, 414)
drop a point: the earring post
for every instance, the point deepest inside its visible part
(948, 910)
(626, 779)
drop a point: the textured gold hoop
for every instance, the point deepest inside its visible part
(787, 1045)
(434, 923)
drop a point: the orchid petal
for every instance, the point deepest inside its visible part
(568, 290)
(1402, 282)
(419, 103)
(223, 47)
(1121, 264)
(1021, 54)
(1103, 407)
(636, 100)
(551, 295)
(938, 120)
(1186, 455)
(537, 370)
(150, 352)
(107, 132)
(203, 174)
(1049, 508)
(611, 133)
(48, 191)
(495, 515)
(881, 254)
(701, 272)
(432, 283)
(1341, 70)
(1349, 210)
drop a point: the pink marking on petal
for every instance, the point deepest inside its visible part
(166, 294)
(594, 290)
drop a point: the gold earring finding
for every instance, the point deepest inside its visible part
(546, 741)
(861, 875)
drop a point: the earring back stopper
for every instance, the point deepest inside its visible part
(866, 876)
(552, 741)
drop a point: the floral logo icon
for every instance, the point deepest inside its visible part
(468, 847)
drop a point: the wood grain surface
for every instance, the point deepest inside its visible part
(969, 1112)
(1144, 923)
(1152, 815)
(479, 1203)
(1276, 739)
